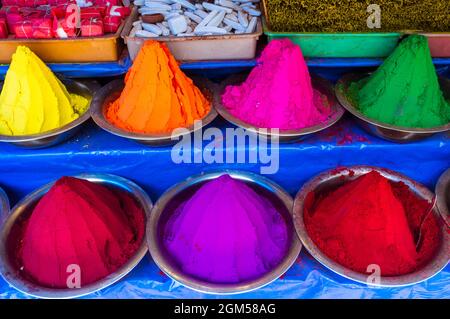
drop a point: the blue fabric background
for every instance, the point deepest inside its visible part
(94, 150)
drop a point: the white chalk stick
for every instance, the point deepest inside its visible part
(217, 19)
(208, 18)
(193, 17)
(242, 19)
(228, 4)
(158, 6)
(213, 7)
(145, 34)
(164, 29)
(152, 28)
(202, 14)
(186, 4)
(252, 25)
(252, 12)
(177, 25)
(233, 24)
(232, 17)
(212, 30)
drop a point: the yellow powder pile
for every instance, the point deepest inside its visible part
(33, 100)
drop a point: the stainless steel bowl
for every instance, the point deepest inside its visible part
(4, 206)
(60, 134)
(331, 179)
(182, 191)
(386, 131)
(284, 136)
(13, 276)
(443, 196)
(112, 91)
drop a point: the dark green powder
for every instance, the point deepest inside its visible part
(351, 15)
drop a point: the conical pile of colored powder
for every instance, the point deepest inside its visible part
(405, 90)
(373, 221)
(226, 233)
(33, 100)
(278, 92)
(158, 97)
(79, 223)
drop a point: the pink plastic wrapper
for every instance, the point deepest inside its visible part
(62, 30)
(12, 18)
(3, 28)
(39, 28)
(119, 11)
(91, 27)
(90, 13)
(25, 3)
(60, 2)
(111, 24)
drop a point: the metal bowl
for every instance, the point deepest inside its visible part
(13, 276)
(4, 206)
(57, 135)
(386, 131)
(443, 196)
(182, 191)
(284, 136)
(112, 91)
(333, 178)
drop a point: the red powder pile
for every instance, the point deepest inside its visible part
(82, 223)
(372, 220)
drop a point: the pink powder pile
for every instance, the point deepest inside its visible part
(278, 92)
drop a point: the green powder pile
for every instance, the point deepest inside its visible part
(404, 91)
(351, 15)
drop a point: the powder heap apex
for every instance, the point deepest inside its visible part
(158, 97)
(278, 93)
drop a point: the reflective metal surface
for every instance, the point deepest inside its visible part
(112, 91)
(14, 277)
(60, 134)
(160, 215)
(331, 179)
(284, 136)
(386, 131)
(443, 196)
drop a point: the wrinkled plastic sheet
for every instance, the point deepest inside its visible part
(94, 150)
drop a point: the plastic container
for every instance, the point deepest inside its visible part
(105, 48)
(439, 44)
(199, 48)
(341, 45)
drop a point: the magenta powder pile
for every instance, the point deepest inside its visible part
(278, 92)
(226, 233)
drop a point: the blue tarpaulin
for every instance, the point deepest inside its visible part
(345, 144)
(215, 68)
(94, 150)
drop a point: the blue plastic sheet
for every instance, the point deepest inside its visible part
(215, 69)
(94, 150)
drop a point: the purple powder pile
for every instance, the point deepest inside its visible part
(226, 233)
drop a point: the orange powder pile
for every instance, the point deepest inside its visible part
(158, 97)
